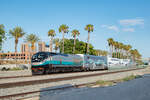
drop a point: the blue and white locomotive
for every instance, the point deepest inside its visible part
(47, 62)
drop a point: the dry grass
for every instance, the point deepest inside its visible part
(102, 83)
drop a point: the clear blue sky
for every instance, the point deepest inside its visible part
(127, 21)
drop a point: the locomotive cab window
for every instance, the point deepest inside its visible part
(39, 57)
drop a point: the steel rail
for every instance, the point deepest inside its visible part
(58, 79)
(35, 82)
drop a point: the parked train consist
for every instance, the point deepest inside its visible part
(47, 62)
(112, 62)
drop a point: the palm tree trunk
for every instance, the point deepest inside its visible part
(31, 52)
(88, 42)
(116, 53)
(16, 42)
(32, 47)
(119, 53)
(51, 44)
(112, 50)
(74, 44)
(133, 59)
(128, 54)
(15, 53)
(63, 43)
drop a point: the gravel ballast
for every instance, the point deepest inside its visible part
(30, 88)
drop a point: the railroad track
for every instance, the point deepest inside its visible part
(16, 84)
(35, 82)
(56, 73)
(8, 77)
(27, 93)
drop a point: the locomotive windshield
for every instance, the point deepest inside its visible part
(40, 56)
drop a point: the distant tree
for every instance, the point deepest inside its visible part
(51, 33)
(101, 53)
(32, 38)
(2, 35)
(89, 28)
(136, 56)
(17, 33)
(74, 34)
(63, 29)
(80, 47)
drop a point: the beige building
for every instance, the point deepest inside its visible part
(43, 47)
(25, 48)
(26, 52)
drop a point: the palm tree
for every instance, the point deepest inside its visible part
(135, 55)
(104, 53)
(116, 48)
(101, 53)
(51, 33)
(98, 52)
(74, 34)
(57, 43)
(121, 50)
(128, 49)
(63, 29)
(17, 33)
(2, 35)
(32, 38)
(113, 48)
(89, 28)
(110, 44)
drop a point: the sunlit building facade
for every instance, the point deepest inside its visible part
(26, 52)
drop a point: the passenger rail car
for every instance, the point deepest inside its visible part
(47, 62)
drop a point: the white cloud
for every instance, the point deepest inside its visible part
(103, 26)
(128, 29)
(111, 27)
(115, 28)
(132, 22)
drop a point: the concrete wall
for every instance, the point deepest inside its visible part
(10, 66)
